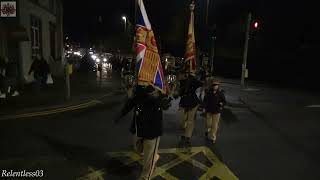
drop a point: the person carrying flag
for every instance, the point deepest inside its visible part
(148, 104)
(149, 99)
(189, 100)
(190, 103)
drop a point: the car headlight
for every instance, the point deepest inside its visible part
(94, 57)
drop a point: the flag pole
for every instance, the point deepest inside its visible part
(135, 11)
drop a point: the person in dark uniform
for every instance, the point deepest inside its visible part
(213, 103)
(148, 104)
(189, 102)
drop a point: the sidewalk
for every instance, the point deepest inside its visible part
(85, 87)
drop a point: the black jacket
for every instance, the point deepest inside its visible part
(211, 101)
(189, 98)
(40, 67)
(148, 116)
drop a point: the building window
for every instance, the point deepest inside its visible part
(36, 36)
(53, 40)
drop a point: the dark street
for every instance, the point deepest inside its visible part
(159, 90)
(257, 140)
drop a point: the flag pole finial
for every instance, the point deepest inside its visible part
(192, 5)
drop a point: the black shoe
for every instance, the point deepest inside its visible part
(206, 134)
(182, 141)
(183, 138)
(188, 143)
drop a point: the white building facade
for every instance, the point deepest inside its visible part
(37, 30)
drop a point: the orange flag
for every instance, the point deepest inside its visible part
(190, 54)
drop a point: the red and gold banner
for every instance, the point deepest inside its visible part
(190, 54)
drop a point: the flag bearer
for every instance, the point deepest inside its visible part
(148, 104)
(189, 102)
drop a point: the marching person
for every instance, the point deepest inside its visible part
(213, 103)
(189, 102)
(202, 75)
(148, 103)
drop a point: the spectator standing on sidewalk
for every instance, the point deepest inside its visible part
(8, 78)
(213, 103)
(41, 70)
(148, 104)
(189, 102)
(3, 87)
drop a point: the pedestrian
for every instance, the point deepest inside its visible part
(148, 104)
(44, 70)
(130, 86)
(189, 102)
(40, 69)
(8, 79)
(3, 68)
(202, 75)
(213, 103)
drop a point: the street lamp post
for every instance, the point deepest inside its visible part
(124, 18)
(207, 13)
(213, 38)
(245, 53)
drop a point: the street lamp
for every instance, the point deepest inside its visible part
(124, 18)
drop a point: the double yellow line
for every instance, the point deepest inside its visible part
(53, 111)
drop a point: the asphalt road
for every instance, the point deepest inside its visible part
(252, 143)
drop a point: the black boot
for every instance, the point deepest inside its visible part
(188, 142)
(182, 141)
(206, 134)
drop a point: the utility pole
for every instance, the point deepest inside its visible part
(245, 53)
(213, 38)
(213, 48)
(207, 14)
(67, 80)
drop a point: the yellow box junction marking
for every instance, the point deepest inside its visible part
(218, 169)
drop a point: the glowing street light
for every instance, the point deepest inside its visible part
(124, 18)
(94, 57)
(256, 25)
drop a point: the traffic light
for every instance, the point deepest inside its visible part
(255, 28)
(256, 24)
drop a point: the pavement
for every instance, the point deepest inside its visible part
(85, 90)
(265, 133)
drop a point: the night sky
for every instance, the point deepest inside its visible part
(282, 22)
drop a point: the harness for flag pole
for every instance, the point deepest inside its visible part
(190, 54)
(148, 64)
